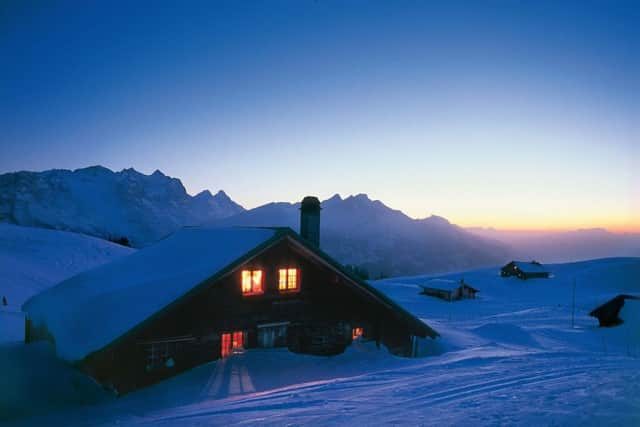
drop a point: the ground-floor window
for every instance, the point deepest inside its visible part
(232, 342)
(161, 352)
(157, 354)
(272, 335)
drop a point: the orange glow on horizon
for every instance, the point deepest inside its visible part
(554, 228)
(620, 225)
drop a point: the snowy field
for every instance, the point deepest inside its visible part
(510, 357)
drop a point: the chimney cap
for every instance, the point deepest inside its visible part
(310, 203)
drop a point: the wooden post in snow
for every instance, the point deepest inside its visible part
(573, 304)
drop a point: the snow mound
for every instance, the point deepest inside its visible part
(34, 259)
(34, 381)
(506, 333)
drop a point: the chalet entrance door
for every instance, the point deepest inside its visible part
(272, 335)
(231, 343)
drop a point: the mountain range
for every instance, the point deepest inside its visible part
(144, 208)
(112, 205)
(366, 233)
(355, 230)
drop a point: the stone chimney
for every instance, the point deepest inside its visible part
(310, 220)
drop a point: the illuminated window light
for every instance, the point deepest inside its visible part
(357, 333)
(282, 279)
(288, 280)
(252, 282)
(231, 342)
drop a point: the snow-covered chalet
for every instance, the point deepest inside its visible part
(205, 293)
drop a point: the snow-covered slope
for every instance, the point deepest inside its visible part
(33, 259)
(364, 232)
(111, 205)
(510, 357)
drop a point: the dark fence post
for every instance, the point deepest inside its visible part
(27, 330)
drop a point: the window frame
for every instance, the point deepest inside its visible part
(232, 342)
(251, 277)
(287, 277)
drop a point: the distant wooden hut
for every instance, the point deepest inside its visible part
(449, 290)
(525, 270)
(608, 313)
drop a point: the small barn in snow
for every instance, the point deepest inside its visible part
(448, 290)
(608, 313)
(207, 293)
(525, 270)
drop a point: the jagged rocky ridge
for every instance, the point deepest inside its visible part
(100, 202)
(384, 241)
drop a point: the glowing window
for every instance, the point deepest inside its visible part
(231, 343)
(357, 333)
(288, 280)
(252, 282)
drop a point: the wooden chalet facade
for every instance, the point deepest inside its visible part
(449, 290)
(284, 292)
(525, 270)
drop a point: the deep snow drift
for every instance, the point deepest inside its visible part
(512, 356)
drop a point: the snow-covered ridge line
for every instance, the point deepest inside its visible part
(112, 205)
(145, 208)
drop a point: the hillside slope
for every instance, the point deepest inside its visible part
(33, 259)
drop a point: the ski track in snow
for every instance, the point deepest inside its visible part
(381, 397)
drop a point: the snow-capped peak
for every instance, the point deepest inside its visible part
(100, 202)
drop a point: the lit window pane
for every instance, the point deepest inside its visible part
(257, 281)
(246, 281)
(282, 279)
(252, 282)
(292, 279)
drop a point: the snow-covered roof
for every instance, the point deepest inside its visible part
(530, 267)
(122, 294)
(444, 284)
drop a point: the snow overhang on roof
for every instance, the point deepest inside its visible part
(120, 295)
(442, 284)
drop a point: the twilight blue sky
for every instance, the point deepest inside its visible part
(513, 114)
